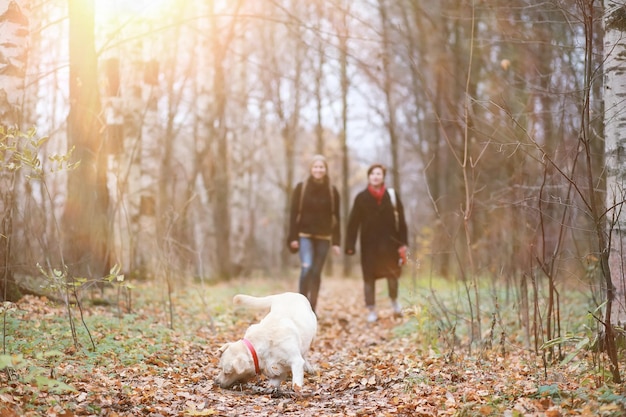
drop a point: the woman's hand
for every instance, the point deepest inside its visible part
(337, 249)
(294, 244)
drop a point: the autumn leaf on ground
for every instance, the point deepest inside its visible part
(395, 367)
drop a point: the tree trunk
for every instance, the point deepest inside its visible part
(150, 163)
(345, 85)
(615, 142)
(14, 52)
(222, 39)
(85, 219)
(388, 91)
(289, 108)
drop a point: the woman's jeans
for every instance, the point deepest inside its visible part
(312, 257)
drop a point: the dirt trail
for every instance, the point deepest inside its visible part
(390, 368)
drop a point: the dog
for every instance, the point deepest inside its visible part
(276, 346)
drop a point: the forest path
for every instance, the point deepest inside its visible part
(394, 367)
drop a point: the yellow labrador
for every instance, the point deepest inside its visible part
(275, 346)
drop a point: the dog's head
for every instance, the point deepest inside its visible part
(236, 364)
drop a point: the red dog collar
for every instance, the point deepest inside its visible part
(255, 358)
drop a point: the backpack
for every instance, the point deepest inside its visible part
(392, 197)
(401, 251)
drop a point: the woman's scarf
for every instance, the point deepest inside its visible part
(377, 194)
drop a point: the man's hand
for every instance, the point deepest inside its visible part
(402, 252)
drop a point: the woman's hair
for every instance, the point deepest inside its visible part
(374, 166)
(320, 158)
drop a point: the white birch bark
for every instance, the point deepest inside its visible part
(150, 156)
(615, 147)
(13, 57)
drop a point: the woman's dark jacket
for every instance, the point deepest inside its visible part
(316, 217)
(380, 239)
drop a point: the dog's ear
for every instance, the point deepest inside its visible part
(222, 349)
(240, 366)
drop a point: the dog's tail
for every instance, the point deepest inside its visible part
(254, 302)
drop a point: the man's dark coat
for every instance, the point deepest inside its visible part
(380, 238)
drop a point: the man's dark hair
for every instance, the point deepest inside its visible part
(374, 166)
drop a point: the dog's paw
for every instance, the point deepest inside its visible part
(279, 393)
(299, 392)
(273, 392)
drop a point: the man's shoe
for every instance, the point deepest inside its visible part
(372, 316)
(397, 308)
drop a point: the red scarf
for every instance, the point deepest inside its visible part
(377, 194)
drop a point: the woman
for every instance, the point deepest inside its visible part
(383, 238)
(314, 226)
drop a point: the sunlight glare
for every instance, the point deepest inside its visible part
(128, 9)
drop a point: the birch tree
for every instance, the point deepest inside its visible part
(150, 157)
(615, 142)
(13, 52)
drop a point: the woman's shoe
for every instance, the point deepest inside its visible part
(397, 308)
(372, 316)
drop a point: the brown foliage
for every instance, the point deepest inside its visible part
(362, 370)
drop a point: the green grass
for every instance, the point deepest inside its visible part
(440, 306)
